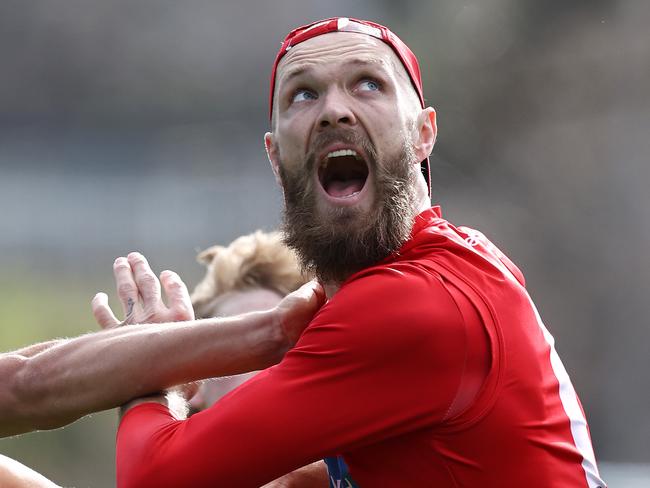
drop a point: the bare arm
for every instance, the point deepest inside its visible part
(102, 370)
(34, 349)
(313, 475)
(105, 369)
(16, 475)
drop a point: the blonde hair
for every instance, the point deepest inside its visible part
(257, 260)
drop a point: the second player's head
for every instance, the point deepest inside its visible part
(253, 273)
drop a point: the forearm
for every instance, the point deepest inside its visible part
(106, 369)
(34, 349)
(311, 476)
(16, 475)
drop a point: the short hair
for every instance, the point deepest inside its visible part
(257, 260)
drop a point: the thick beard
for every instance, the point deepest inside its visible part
(339, 242)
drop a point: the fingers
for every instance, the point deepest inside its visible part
(318, 291)
(147, 282)
(312, 291)
(136, 282)
(297, 309)
(178, 298)
(127, 290)
(102, 312)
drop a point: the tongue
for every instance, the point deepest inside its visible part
(345, 188)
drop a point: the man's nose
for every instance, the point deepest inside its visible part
(336, 111)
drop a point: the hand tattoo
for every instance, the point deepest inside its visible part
(130, 305)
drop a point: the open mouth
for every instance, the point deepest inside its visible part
(343, 173)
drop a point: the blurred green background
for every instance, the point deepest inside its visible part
(137, 125)
(33, 309)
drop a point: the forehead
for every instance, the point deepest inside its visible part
(336, 47)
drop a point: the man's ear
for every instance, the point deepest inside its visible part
(426, 133)
(272, 154)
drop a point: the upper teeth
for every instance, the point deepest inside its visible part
(342, 152)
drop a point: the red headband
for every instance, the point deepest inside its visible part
(344, 24)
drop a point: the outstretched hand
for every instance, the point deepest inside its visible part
(140, 294)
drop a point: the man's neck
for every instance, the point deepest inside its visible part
(423, 198)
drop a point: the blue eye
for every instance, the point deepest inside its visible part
(369, 85)
(303, 95)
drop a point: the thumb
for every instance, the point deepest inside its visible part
(102, 312)
(314, 292)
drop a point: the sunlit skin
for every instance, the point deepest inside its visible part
(16, 475)
(351, 81)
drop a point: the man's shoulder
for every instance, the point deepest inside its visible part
(388, 310)
(401, 291)
(396, 277)
(459, 250)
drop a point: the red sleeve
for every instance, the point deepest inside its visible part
(385, 356)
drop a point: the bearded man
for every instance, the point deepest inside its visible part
(429, 365)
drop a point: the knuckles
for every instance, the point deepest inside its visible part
(125, 290)
(148, 280)
(174, 285)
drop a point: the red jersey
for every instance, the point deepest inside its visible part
(430, 369)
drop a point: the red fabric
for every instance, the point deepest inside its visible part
(429, 369)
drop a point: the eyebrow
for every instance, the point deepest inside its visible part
(360, 62)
